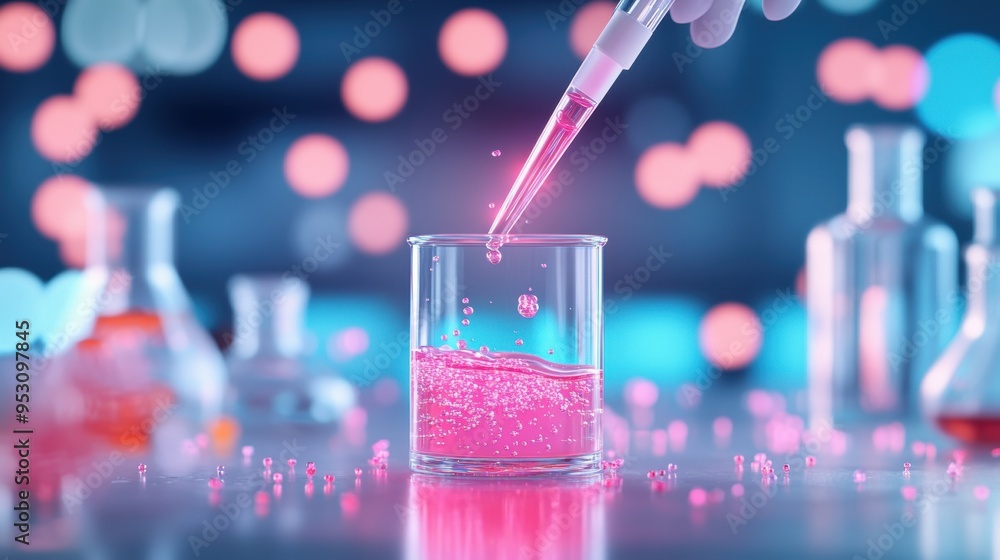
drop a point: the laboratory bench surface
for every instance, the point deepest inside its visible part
(706, 508)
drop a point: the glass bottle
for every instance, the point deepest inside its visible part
(506, 362)
(961, 392)
(271, 383)
(880, 284)
(145, 360)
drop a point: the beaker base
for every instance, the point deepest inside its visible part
(577, 465)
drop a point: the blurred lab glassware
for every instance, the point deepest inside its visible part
(880, 284)
(961, 392)
(146, 360)
(271, 383)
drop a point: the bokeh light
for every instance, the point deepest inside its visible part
(848, 69)
(347, 343)
(95, 31)
(730, 335)
(657, 119)
(316, 165)
(58, 207)
(587, 24)
(902, 78)
(848, 7)
(377, 223)
(265, 46)
(109, 92)
(964, 70)
(666, 176)
(971, 163)
(28, 37)
(472, 41)
(641, 392)
(374, 89)
(189, 35)
(63, 129)
(721, 151)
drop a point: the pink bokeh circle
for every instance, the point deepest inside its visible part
(730, 335)
(374, 89)
(316, 165)
(472, 41)
(265, 46)
(377, 223)
(666, 176)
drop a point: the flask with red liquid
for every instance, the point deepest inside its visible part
(961, 392)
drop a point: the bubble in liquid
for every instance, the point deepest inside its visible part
(465, 322)
(468, 310)
(495, 153)
(456, 332)
(465, 300)
(492, 206)
(551, 351)
(436, 258)
(493, 256)
(527, 305)
(484, 349)
(518, 342)
(444, 337)
(462, 345)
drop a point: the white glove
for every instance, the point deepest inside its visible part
(713, 21)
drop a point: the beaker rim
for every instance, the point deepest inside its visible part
(473, 239)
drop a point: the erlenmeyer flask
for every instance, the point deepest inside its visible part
(272, 384)
(880, 284)
(961, 392)
(146, 359)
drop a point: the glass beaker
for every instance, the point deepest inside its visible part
(544, 519)
(880, 281)
(961, 392)
(146, 359)
(506, 365)
(272, 385)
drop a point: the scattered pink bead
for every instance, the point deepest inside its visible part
(909, 493)
(738, 459)
(142, 468)
(328, 478)
(810, 461)
(663, 472)
(357, 472)
(267, 462)
(382, 466)
(671, 467)
(760, 457)
(310, 470)
(906, 466)
(767, 464)
(981, 493)
(214, 483)
(247, 451)
(495, 153)
(786, 468)
(291, 463)
(619, 462)
(859, 476)
(697, 497)
(220, 470)
(278, 478)
(651, 474)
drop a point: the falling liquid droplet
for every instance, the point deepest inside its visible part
(493, 256)
(495, 153)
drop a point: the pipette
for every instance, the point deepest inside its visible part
(615, 50)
